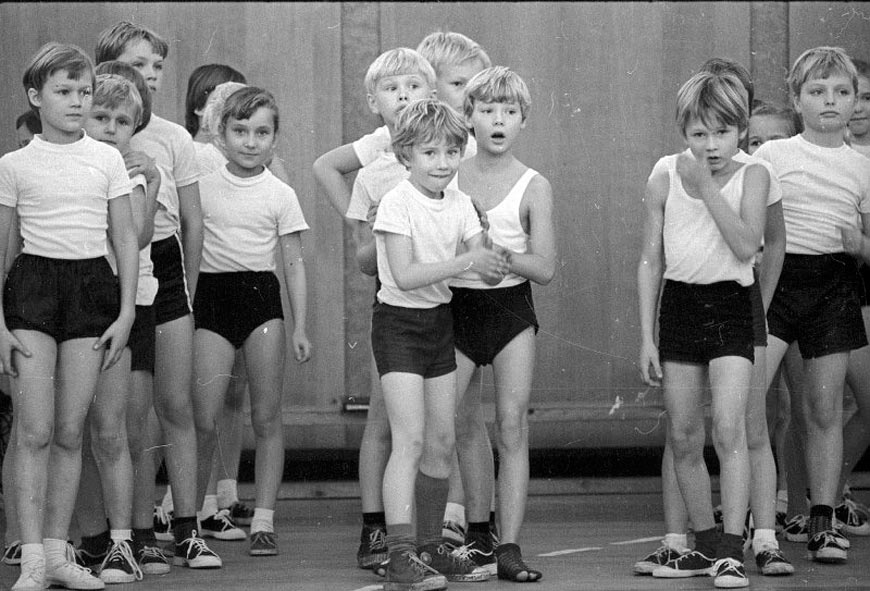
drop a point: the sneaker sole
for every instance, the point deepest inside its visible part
(164, 536)
(860, 530)
(155, 569)
(645, 568)
(266, 552)
(778, 570)
(116, 577)
(86, 585)
(369, 561)
(436, 583)
(210, 563)
(797, 538)
(476, 576)
(492, 568)
(227, 536)
(669, 573)
(830, 556)
(730, 582)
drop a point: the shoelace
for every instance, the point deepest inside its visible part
(418, 565)
(12, 550)
(32, 567)
(198, 544)
(263, 537)
(223, 516)
(161, 515)
(731, 567)
(152, 552)
(468, 551)
(122, 551)
(377, 538)
(830, 537)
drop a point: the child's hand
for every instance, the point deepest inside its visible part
(301, 346)
(140, 163)
(853, 240)
(492, 265)
(649, 365)
(8, 344)
(695, 175)
(116, 336)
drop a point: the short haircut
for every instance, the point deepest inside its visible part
(132, 74)
(200, 85)
(427, 120)
(862, 67)
(396, 62)
(53, 57)
(214, 107)
(446, 48)
(820, 62)
(30, 120)
(243, 103)
(724, 65)
(497, 84)
(112, 41)
(712, 99)
(113, 91)
(786, 114)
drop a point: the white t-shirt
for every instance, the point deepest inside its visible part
(61, 193)
(436, 227)
(208, 157)
(242, 220)
(863, 149)
(171, 146)
(167, 219)
(368, 147)
(823, 190)
(372, 182)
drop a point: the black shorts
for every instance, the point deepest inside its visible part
(759, 322)
(699, 323)
(66, 299)
(864, 285)
(413, 340)
(142, 340)
(233, 305)
(486, 320)
(817, 303)
(172, 300)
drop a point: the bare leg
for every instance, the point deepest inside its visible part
(472, 444)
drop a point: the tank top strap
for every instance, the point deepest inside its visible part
(515, 195)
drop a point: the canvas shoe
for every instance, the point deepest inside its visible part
(194, 553)
(241, 514)
(220, 526)
(72, 576)
(453, 533)
(32, 577)
(772, 562)
(152, 560)
(795, 529)
(454, 566)
(263, 543)
(162, 524)
(481, 550)
(852, 522)
(119, 565)
(406, 572)
(372, 546)
(827, 546)
(12, 554)
(691, 564)
(729, 573)
(660, 557)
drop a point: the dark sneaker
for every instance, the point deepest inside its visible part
(241, 514)
(795, 529)
(772, 563)
(194, 553)
(263, 543)
(152, 560)
(729, 573)
(372, 546)
(780, 521)
(852, 522)
(88, 559)
(406, 572)
(453, 533)
(162, 524)
(220, 526)
(12, 554)
(454, 566)
(119, 565)
(653, 560)
(827, 546)
(480, 551)
(691, 564)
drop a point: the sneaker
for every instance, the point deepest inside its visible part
(454, 566)
(780, 521)
(32, 577)
(263, 543)
(372, 546)
(795, 529)
(827, 546)
(120, 566)
(152, 560)
(406, 572)
(653, 560)
(691, 564)
(162, 524)
(860, 508)
(772, 563)
(193, 553)
(72, 576)
(88, 559)
(748, 531)
(12, 554)
(476, 551)
(220, 526)
(453, 533)
(241, 514)
(853, 523)
(718, 516)
(729, 573)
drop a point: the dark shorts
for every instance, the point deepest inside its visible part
(759, 322)
(817, 303)
(699, 323)
(142, 340)
(233, 305)
(172, 300)
(486, 320)
(864, 285)
(66, 299)
(413, 340)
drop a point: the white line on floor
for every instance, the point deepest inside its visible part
(370, 588)
(637, 541)
(571, 551)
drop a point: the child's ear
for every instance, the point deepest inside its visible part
(373, 104)
(33, 97)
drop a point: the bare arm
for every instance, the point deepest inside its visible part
(539, 263)
(329, 170)
(8, 342)
(366, 248)
(190, 210)
(294, 277)
(774, 252)
(649, 275)
(126, 247)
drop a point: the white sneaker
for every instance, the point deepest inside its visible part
(32, 577)
(72, 576)
(221, 527)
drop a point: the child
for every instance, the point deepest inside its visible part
(26, 126)
(419, 226)
(859, 123)
(496, 325)
(84, 320)
(770, 122)
(826, 202)
(703, 244)
(248, 213)
(175, 250)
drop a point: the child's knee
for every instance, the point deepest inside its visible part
(266, 424)
(513, 430)
(68, 437)
(729, 436)
(109, 446)
(34, 437)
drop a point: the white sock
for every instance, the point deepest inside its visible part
(209, 507)
(166, 503)
(55, 552)
(263, 520)
(121, 535)
(456, 513)
(31, 552)
(678, 542)
(227, 493)
(763, 538)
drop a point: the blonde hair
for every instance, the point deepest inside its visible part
(112, 41)
(113, 90)
(820, 62)
(214, 106)
(446, 48)
(497, 84)
(395, 62)
(427, 120)
(53, 57)
(713, 99)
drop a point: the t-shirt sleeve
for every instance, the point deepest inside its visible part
(290, 216)
(8, 183)
(119, 181)
(185, 168)
(864, 196)
(393, 216)
(370, 145)
(360, 201)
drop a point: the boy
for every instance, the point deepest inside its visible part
(176, 251)
(419, 226)
(826, 205)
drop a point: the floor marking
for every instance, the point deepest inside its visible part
(637, 541)
(370, 588)
(571, 551)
